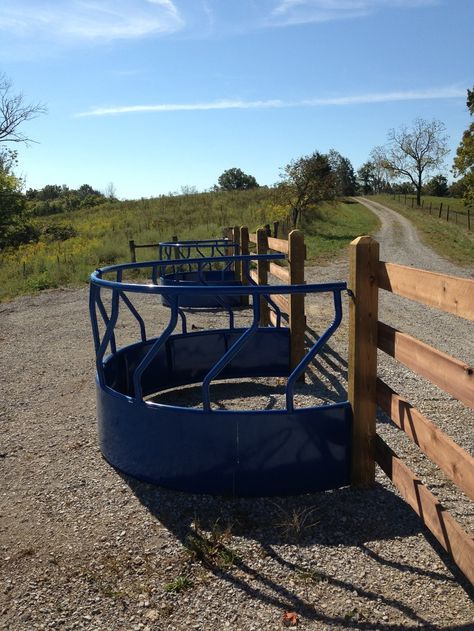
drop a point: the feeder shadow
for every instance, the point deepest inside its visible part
(304, 521)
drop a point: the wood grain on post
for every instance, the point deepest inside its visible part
(244, 249)
(262, 274)
(363, 317)
(296, 256)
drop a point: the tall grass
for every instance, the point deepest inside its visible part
(103, 233)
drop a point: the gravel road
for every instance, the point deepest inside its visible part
(84, 547)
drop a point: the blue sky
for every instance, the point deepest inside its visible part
(152, 95)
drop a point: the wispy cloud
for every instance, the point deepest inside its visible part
(288, 12)
(99, 20)
(449, 92)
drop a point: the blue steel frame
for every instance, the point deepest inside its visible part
(153, 441)
(183, 249)
(185, 272)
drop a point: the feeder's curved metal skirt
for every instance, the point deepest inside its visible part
(226, 452)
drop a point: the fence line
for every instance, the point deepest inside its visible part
(458, 217)
(293, 307)
(455, 295)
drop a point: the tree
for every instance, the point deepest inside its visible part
(365, 177)
(344, 177)
(305, 182)
(415, 152)
(236, 180)
(14, 229)
(438, 185)
(14, 111)
(464, 160)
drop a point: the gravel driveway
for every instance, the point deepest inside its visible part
(84, 547)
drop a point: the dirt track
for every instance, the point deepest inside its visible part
(83, 547)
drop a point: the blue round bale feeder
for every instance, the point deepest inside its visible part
(261, 452)
(204, 270)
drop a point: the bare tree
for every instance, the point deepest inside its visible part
(14, 111)
(416, 152)
(380, 173)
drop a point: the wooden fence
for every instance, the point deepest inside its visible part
(369, 275)
(293, 306)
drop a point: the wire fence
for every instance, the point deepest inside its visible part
(442, 210)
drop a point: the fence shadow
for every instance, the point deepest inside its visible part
(327, 519)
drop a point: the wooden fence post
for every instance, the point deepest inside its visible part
(244, 249)
(296, 256)
(236, 241)
(447, 214)
(440, 210)
(262, 274)
(133, 256)
(363, 317)
(468, 218)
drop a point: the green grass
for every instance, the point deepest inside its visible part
(451, 241)
(180, 584)
(103, 232)
(331, 227)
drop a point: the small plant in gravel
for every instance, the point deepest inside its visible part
(310, 576)
(294, 523)
(180, 584)
(210, 547)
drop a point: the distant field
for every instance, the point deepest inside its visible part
(450, 239)
(103, 233)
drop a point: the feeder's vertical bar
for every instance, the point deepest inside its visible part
(244, 249)
(262, 275)
(94, 290)
(296, 256)
(363, 317)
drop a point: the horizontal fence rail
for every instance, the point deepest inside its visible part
(446, 372)
(447, 293)
(437, 519)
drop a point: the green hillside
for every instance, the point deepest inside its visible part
(74, 243)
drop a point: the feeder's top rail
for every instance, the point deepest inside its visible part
(172, 290)
(198, 242)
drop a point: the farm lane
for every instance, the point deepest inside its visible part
(400, 243)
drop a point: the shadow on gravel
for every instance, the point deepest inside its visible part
(359, 519)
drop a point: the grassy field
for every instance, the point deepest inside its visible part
(452, 241)
(102, 234)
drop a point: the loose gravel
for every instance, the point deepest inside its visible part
(85, 547)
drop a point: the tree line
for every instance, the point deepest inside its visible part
(407, 163)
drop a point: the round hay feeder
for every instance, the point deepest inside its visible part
(260, 452)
